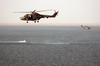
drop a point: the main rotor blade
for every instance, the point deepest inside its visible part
(21, 12)
(44, 10)
(33, 11)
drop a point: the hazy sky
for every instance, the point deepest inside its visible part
(71, 12)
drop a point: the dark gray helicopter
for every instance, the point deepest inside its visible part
(34, 16)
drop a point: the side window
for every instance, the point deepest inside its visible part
(29, 15)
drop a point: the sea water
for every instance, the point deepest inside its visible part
(49, 46)
(50, 34)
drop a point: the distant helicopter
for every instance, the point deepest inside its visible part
(85, 27)
(34, 16)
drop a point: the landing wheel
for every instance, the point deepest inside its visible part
(26, 22)
(38, 21)
(34, 21)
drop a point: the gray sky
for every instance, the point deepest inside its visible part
(71, 12)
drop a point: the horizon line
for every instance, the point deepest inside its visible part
(46, 24)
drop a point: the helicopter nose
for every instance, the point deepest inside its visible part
(21, 18)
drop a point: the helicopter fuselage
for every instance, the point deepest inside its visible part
(36, 17)
(31, 17)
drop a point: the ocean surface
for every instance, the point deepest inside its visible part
(50, 34)
(49, 46)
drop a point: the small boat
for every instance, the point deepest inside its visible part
(22, 41)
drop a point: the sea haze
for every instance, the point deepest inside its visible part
(50, 34)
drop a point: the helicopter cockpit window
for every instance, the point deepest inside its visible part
(25, 16)
(29, 15)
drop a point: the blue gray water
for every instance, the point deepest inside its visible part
(49, 46)
(50, 34)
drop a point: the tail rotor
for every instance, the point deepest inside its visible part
(56, 12)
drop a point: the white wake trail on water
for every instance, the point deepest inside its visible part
(13, 41)
(24, 41)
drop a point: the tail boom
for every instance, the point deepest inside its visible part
(54, 15)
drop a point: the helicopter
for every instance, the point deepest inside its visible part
(35, 16)
(85, 27)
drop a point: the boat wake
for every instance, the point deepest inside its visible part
(13, 41)
(25, 42)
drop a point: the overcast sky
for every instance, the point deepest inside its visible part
(71, 12)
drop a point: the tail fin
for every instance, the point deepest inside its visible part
(55, 14)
